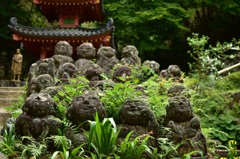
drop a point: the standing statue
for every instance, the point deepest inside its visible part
(17, 65)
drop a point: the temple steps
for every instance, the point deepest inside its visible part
(8, 96)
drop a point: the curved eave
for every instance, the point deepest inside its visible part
(83, 9)
(64, 1)
(57, 32)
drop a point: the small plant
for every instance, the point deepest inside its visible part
(114, 98)
(134, 148)
(63, 145)
(35, 149)
(102, 136)
(64, 97)
(7, 145)
(207, 59)
(232, 154)
(157, 95)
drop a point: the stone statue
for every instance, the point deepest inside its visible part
(62, 54)
(44, 81)
(86, 52)
(153, 65)
(84, 107)
(122, 73)
(17, 65)
(45, 66)
(184, 127)
(173, 72)
(176, 90)
(130, 57)
(136, 116)
(148, 69)
(66, 71)
(39, 117)
(106, 58)
(63, 48)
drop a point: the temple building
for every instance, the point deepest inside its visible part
(70, 14)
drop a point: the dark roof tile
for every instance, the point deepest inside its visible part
(59, 32)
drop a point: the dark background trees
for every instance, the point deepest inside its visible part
(158, 28)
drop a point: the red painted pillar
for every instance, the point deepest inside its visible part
(43, 53)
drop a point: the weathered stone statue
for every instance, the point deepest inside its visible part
(86, 52)
(84, 107)
(106, 58)
(173, 72)
(122, 73)
(94, 75)
(45, 66)
(44, 81)
(176, 90)
(62, 54)
(17, 65)
(153, 65)
(130, 57)
(136, 116)
(39, 117)
(66, 71)
(184, 127)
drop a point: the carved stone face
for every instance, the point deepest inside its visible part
(44, 81)
(106, 52)
(86, 51)
(94, 72)
(63, 48)
(129, 51)
(39, 105)
(67, 68)
(130, 56)
(121, 72)
(179, 109)
(152, 65)
(135, 112)
(84, 107)
(43, 68)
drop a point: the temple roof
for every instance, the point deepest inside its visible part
(64, 1)
(59, 32)
(85, 10)
(42, 41)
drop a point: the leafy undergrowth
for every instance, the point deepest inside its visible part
(213, 100)
(217, 102)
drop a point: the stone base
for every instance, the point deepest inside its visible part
(13, 83)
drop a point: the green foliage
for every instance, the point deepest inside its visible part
(166, 147)
(33, 150)
(229, 82)
(8, 141)
(133, 148)
(113, 98)
(102, 136)
(64, 146)
(64, 97)
(207, 60)
(158, 23)
(157, 95)
(213, 103)
(232, 148)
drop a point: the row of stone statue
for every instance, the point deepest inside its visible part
(41, 119)
(61, 65)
